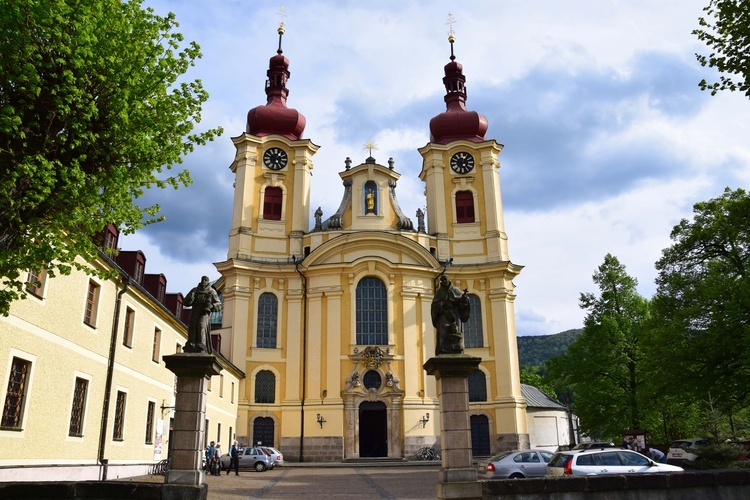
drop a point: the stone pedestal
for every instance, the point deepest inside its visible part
(458, 477)
(193, 372)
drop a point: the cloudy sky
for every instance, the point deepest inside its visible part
(608, 139)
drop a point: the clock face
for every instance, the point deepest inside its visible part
(275, 158)
(462, 162)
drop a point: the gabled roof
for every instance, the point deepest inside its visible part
(537, 399)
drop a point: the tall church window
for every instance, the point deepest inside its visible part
(268, 306)
(265, 387)
(272, 203)
(372, 312)
(464, 206)
(473, 328)
(477, 386)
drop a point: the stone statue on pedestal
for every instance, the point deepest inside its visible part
(450, 310)
(204, 300)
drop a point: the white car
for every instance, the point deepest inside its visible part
(685, 450)
(594, 462)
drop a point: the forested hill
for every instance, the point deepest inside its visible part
(536, 349)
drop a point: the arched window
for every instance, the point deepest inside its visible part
(473, 328)
(477, 386)
(265, 387)
(464, 206)
(268, 306)
(372, 312)
(272, 203)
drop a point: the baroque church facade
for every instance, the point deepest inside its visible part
(329, 318)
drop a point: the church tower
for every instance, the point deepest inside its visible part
(461, 172)
(272, 168)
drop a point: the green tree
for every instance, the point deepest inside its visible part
(92, 112)
(727, 34)
(603, 364)
(532, 378)
(702, 303)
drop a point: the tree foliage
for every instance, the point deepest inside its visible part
(726, 31)
(603, 364)
(702, 302)
(92, 112)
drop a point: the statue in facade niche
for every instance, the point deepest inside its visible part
(204, 300)
(450, 310)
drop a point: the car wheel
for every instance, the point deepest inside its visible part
(516, 476)
(260, 466)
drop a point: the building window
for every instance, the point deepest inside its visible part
(372, 380)
(35, 282)
(110, 237)
(79, 405)
(177, 348)
(265, 387)
(372, 312)
(117, 431)
(464, 206)
(139, 268)
(15, 397)
(477, 386)
(268, 306)
(150, 422)
(272, 203)
(221, 386)
(157, 346)
(205, 435)
(92, 304)
(127, 334)
(473, 328)
(231, 396)
(208, 384)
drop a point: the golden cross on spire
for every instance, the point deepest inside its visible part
(282, 15)
(370, 145)
(450, 22)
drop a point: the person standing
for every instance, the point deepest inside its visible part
(657, 455)
(234, 459)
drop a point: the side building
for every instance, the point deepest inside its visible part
(85, 392)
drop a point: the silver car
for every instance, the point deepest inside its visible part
(515, 464)
(604, 461)
(277, 458)
(251, 457)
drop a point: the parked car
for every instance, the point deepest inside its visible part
(604, 461)
(251, 457)
(594, 444)
(515, 464)
(277, 458)
(684, 451)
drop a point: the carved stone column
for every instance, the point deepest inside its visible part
(193, 371)
(458, 478)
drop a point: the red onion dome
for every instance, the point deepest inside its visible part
(456, 122)
(274, 117)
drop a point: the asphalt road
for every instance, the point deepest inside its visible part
(403, 482)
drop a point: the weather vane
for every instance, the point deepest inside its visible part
(370, 145)
(282, 15)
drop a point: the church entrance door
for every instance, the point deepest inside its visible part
(263, 431)
(373, 430)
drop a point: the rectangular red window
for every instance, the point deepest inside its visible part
(464, 207)
(272, 203)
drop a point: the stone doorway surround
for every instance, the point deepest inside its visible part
(389, 393)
